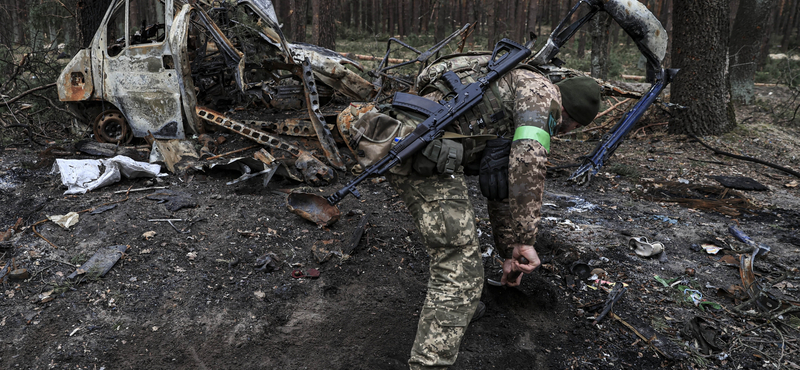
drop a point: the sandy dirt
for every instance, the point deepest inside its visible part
(189, 295)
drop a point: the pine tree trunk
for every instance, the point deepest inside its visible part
(787, 29)
(766, 39)
(600, 26)
(533, 14)
(668, 26)
(323, 32)
(746, 35)
(439, 22)
(346, 14)
(519, 22)
(491, 32)
(377, 22)
(702, 86)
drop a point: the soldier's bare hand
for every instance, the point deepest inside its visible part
(512, 266)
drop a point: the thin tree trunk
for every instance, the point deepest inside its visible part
(766, 39)
(425, 16)
(298, 20)
(746, 35)
(600, 45)
(439, 23)
(345, 13)
(533, 13)
(491, 23)
(787, 30)
(323, 26)
(668, 26)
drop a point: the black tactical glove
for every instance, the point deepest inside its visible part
(493, 175)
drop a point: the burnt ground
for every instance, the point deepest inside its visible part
(190, 296)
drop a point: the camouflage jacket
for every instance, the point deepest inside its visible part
(523, 97)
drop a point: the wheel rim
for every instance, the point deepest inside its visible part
(111, 127)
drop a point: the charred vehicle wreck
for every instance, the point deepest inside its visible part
(153, 65)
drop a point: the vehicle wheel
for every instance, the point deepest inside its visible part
(111, 127)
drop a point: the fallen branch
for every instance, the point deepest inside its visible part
(638, 334)
(612, 108)
(633, 77)
(371, 58)
(650, 125)
(33, 228)
(50, 101)
(35, 89)
(140, 189)
(751, 159)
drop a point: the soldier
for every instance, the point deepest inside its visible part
(522, 109)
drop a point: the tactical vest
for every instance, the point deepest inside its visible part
(492, 116)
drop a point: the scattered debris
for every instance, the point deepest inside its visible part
(65, 221)
(19, 274)
(660, 344)
(266, 263)
(249, 168)
(704, 334)
(91, 147)
(711, 248)
(356, 237)
(170, 222)
(101, 262)
(102, 209)
(690, 294)
(310, 273)
(645, 248)
(712, 198)
(313, 208)
(758, 249)
(173, 152)
(82, 175)
(614, 296)
(581, 270)
(322, 252)
(740, 183)
(6, 235)
(173, 200)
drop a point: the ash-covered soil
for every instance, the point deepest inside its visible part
(189, 294)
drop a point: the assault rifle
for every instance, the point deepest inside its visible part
(505, 56)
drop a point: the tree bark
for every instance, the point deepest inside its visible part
(323, 26)
(668, 26)
(440, 20)
(766, 39)
(491, 33)
(600, 26)
(533, 14)
(297, 20)
(746, 35)
(702, 86)
(787, 30)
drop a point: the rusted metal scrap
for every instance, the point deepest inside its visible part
(313, 170)
(313, 208)
(759, 296)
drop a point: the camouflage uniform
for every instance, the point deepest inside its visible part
(445, 218)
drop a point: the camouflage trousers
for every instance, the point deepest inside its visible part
(445, 219)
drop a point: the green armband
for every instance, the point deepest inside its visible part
(533, 133)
